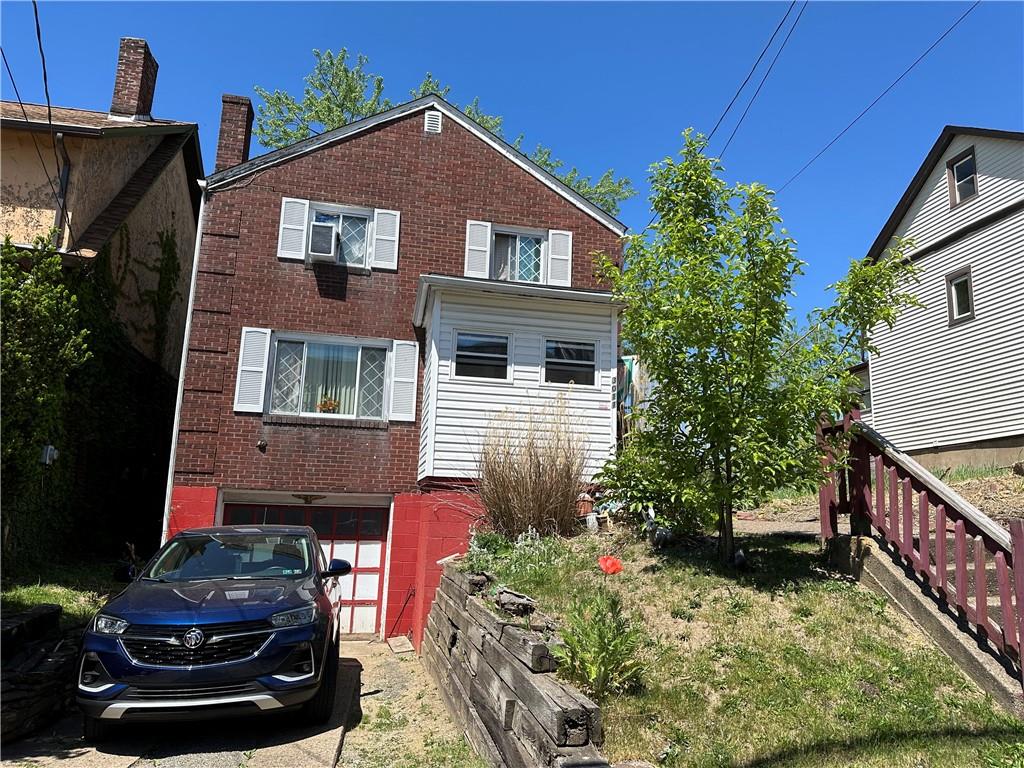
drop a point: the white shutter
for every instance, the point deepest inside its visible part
(405, 360)
(385, 239)
(559, 257)
(291, 241)
(253, 353)
(478, 248)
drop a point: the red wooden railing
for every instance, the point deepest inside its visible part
(963, 555)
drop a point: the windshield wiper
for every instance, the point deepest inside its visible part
(155, 578)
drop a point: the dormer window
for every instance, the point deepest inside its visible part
(962, 176)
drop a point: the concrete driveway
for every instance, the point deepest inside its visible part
(254, 742)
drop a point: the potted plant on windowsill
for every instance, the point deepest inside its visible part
(327, 405)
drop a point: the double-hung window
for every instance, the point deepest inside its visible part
(959, 296)
(339, 235)
(482, 355)
(570, 362)
(319, 378)
(517, 257)
(962, 174)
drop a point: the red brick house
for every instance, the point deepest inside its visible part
(365, 303)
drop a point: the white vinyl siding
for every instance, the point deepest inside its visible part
(1000, 179)
(427, 409)
(934, 383)
(463, 409)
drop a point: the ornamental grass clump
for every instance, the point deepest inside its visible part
(531, 471)
(600, 649)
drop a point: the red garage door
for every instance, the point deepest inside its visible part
(356, 534)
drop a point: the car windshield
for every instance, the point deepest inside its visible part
(233, 556)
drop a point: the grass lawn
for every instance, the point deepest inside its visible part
(784, 665)
(79, 588)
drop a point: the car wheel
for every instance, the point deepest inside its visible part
(319, 709)
(94, 729)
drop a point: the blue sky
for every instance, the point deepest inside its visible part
(605, 85)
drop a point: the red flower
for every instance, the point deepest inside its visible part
(609, 564)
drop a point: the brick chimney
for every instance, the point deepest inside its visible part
(235, 131)
(135, 81)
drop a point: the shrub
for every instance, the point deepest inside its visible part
(531, 471)
(600, 651)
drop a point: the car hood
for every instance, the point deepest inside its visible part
(212, 601)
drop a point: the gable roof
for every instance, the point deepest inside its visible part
(284, 154)
(917, 183)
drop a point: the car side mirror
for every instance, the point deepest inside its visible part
(338, 568)
(125, 574)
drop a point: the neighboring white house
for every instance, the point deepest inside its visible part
(947, 381)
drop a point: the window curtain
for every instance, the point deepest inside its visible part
(330, 379)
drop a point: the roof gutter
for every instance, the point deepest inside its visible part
(181, 368)
(428, 283)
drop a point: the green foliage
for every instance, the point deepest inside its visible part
(338, 92)
(740, 390)
(601, 647)
(43, 341)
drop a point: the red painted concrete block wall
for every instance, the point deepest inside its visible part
(192, 507)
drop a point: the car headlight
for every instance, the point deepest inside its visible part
(108, 625)
(295, 617)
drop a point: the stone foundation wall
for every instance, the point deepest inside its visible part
(496, 679)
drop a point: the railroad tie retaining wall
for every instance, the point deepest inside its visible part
(496, 679)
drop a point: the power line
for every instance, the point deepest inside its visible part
(878, 98)
(765, 78)
(752, 70)
(35, 143)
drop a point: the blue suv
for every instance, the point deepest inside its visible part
(221, 621)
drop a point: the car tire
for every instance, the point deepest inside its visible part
(94, 729)
(319, 709)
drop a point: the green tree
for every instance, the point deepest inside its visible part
(338, 92)
(41, 342)
(740, 389)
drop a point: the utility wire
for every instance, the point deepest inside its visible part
(752, 70)
(35, 143)
(765, 78)
(742, 85)
(49, 117)
(880, 96)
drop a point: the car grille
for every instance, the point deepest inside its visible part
(141, 693)
(163, 645)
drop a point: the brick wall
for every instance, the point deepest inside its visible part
(437, 182)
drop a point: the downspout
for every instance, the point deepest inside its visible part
(65, 171)
(181, 367)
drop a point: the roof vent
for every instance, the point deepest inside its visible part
(432, 122)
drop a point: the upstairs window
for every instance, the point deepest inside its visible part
(516, 257)
(481, 356)
(962, 175)
(328, 379)
(511, 254)
(570, 362)
(327, 233)
(960, 296)
(340, 237)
